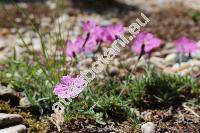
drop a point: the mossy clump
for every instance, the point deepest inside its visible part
(4, 107)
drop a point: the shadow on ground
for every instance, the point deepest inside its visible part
(11, 1)
(103, 6)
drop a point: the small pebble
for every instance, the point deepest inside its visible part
(148, 127)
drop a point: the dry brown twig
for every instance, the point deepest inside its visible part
(190, 110)
(57, 118)
(181, 115)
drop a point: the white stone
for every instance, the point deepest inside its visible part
(148, 127)
(23, 5)
(62, 18)
(6, 90)
(2, 43)
(171, 58)
(45, 21)
(116, 62)
(36, 43)
(26, 40)
(52, 5)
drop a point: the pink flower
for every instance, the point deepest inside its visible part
(69, 87)
(95, 31)
(148, 40)
(89, 26)
(111, 32)
(91, 45)
(185, 45)
(74, 48)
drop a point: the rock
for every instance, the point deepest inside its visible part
(104, 22)
(171, 58)
(196, 55)
(23, 5)
(131, 60)
(184, 68)
(45, 24)
(36, 43)
(62, 18)
(4, 32)
(5, 90)
(193, 4)
(158, 62)
(51, 5)
(128, 2)
(148, 5)
(14, 129)
(145, 115)
(24, 102)
(148, 127)
(116, 62)
(156, 4)
(27, 40)
(167, 51)
(196, 69)
(8, 94)
(2, 43)
(168, 70)
(45, 21)
(18, 20)
(10, 119)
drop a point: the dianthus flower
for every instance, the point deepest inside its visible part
(91, 45)
(89, 26)
(74, 48)
(145, 41)
(185, 45)
(111, 32)
(69, 87)
(93, 30)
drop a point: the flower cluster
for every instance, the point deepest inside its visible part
(95, 36)
(144, 43)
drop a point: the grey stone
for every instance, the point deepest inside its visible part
(24, 102)
(8, 94)
(14, 129)
(5, 90)
(10, 119)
